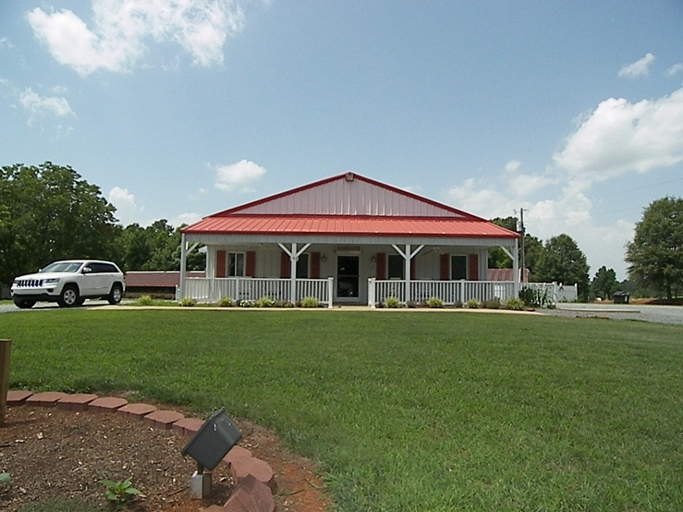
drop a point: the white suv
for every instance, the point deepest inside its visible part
(69, 283)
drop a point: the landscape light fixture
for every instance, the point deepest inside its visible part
(214, 439)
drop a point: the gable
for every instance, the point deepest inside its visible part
(348, 194)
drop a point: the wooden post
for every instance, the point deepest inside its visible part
(5, 350)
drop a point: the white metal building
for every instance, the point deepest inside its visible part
(347, 240)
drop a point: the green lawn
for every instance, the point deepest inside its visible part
(405, 411)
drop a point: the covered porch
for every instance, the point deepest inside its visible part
(346, 274)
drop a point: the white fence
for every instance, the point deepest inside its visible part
(254, 288)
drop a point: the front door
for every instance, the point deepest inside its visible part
(347, 277)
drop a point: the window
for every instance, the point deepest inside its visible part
(235, 264)
(458, 267)
(302, 267)
(397, 267)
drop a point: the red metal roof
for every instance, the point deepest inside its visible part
(349, 225)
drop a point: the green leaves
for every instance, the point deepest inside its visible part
(656, 252)
(119, 492)
(49, 213)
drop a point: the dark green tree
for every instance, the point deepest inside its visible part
(155, 247)
(48, 212)
(604, 284)
(656, 252)
(562, 261)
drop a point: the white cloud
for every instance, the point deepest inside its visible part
(638, 68)
(238, 175)
(620, 136)
(116, 39)
(126, 209)
(524, 185)
(675, 69)
(512, 166)
(478, 199)
(185, 218)
(37, 104)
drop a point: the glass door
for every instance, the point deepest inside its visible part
(347, 276)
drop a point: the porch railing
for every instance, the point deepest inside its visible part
(204, 289)
(450, 292)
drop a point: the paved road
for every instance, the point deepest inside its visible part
(46, 306)
(657, 314)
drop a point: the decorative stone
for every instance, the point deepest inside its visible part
(250, 496)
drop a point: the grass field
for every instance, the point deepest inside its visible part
(405, 411)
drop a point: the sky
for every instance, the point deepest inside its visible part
(570, 112)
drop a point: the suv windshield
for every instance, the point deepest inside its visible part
(63, 266)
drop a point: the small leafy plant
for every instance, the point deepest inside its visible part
(225, 302)
(118, 493)
(514, 304)
(5, 479)
(473, 304)
(145, 300)
(310, 302)
(434, 302)
(187, 302)
(392, 302)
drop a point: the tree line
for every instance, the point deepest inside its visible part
(49, 212)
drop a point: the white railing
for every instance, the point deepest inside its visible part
(450, 292)
(204, 289)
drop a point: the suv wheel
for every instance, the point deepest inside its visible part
(24, 303)
(116, 294)
(69, 297)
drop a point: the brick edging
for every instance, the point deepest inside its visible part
(255, 480)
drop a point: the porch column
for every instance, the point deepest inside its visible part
(183, 265)
(407, 256)
(293, 254)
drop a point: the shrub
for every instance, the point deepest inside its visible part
(225, 302)
(265, 302)
(472, 304)
(246, 303)
(457, 304)
(535, 297)
(514, 304)
(434, 302)
(309, 302)
(493, 303)
(187, 302)
(412, 304)
(392, 302)
(283, 304)
(144, 300)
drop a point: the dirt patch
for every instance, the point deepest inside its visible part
(52, 453)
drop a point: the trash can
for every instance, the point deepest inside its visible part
(621, 297)
(213, 440)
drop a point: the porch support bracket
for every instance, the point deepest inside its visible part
(408, 255)
(293, 254)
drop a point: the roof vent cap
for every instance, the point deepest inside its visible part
(349, 176)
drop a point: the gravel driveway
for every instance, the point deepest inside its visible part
(658, 314)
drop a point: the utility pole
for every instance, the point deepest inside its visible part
(521, 231)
